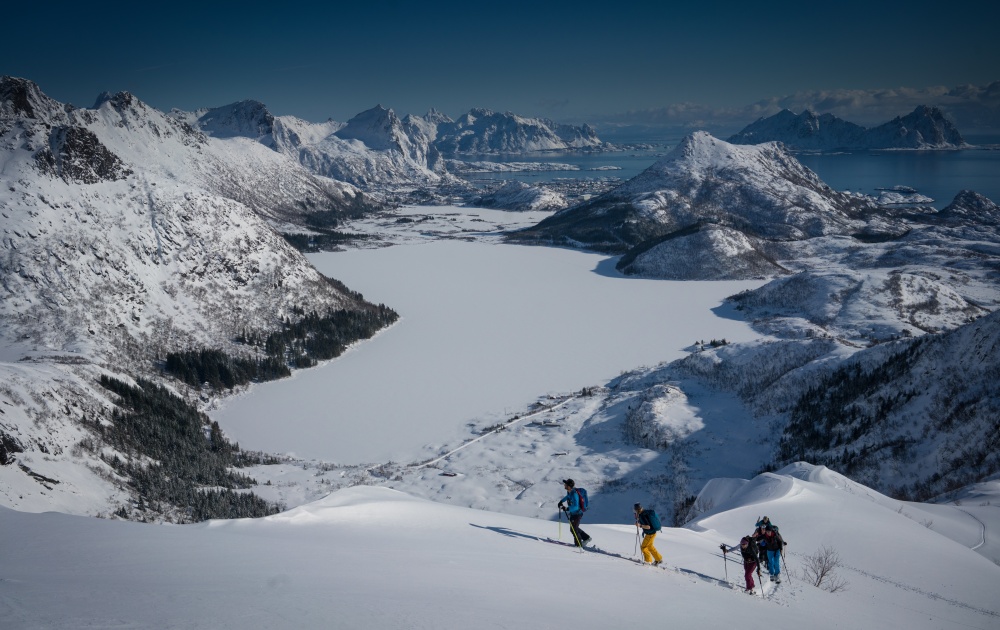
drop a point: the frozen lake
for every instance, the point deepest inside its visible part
(485, 330)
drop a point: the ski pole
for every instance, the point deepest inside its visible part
(560, 524)
(784, 562)
(635, 552)
(724, 560)
(760, 579)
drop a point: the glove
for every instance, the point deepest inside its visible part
(561, 506)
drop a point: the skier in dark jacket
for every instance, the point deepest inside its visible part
(775, 543)
(644, 520)
(574, 512)
(748, 549)
(757, 538)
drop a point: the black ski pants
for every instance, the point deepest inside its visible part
(579, 535)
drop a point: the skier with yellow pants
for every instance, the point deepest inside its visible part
(649, 522)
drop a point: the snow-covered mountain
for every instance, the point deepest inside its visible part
(374, 151)
(247, 119)
(760, 190)
(519, 196)
(486, 131)
(128, 235)
(807, 130)
(968, 209)
(391, 157)
(140, 204)
(885, 281)
(923, 128)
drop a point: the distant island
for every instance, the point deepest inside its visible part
(923, 128)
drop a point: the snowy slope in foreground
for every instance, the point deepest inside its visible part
(376, 558)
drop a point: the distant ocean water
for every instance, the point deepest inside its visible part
(937, 174)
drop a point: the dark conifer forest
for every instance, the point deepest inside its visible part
(175, 456)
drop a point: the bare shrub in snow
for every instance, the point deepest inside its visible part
(820, 567)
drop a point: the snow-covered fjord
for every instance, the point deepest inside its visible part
(485, 330)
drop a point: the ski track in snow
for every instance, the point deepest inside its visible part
(919, 591)
(767, 588)
(502, 427)
(982, 525)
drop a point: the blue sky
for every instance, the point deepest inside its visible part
(564, 60)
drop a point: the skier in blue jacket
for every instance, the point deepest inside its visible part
(574, 512)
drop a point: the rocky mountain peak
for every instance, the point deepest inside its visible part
(77, 154)
(23, 98)
(119, 101)
(434, 116)
(485, 131)
(760, 190)
(807, 130)
(379, 128)
(971, 207)
(924, 128)
(249, 119)
(700, 153)
(479, 112)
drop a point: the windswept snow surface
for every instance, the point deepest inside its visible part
(485, 329)
(377, 558)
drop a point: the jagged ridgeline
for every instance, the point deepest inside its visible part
(176, 460)
(299, 344)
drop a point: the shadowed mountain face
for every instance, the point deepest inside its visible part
(700, 252)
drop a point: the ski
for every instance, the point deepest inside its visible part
(595, 549)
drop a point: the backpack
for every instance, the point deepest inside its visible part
(654, 521)
(581, 494)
